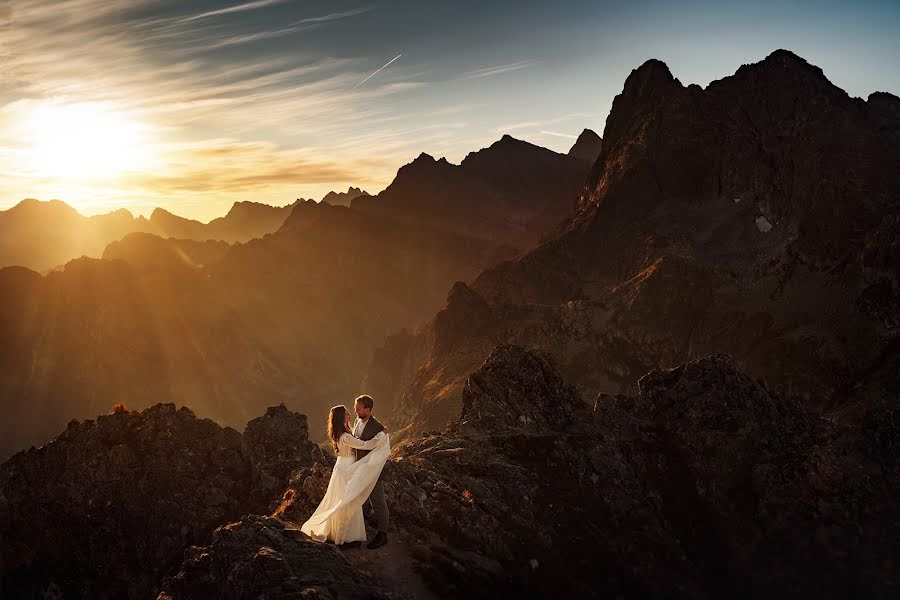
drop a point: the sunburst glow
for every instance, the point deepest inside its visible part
(83, 141)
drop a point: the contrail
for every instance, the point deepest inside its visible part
(376, 72)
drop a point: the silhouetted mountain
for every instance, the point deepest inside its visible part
(512, 192)
(244, 221)
(45, 235)
(587, 146)
(42, 235)
(706, 484)
(343, 198)
(756, 217)
(149, 251)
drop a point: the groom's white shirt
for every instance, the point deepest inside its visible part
(358, 428)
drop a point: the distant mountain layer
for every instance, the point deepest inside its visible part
(512, 192)
(245, 221)
(45, 235)
(759, 217)
(343, 198)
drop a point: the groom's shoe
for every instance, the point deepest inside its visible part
(379, 541)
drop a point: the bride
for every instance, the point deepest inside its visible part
(339, 517)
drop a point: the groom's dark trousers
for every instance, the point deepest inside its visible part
(377, 498)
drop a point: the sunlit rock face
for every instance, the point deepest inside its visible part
(108, 506)
(757, 216)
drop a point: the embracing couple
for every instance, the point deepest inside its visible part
(361, 452)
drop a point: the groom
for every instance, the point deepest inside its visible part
(365, 428)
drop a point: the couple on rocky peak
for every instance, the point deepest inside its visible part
(361, 453)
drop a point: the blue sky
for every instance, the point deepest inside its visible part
(192, 106)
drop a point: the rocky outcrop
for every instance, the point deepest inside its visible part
(107, 507)
(275, 445)
(258, 557)
(705, 484)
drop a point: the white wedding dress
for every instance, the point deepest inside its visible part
(339, 517)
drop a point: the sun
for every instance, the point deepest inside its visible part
(85, 140)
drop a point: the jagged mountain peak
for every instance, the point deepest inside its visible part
(423, 157)
(587, 146)
(785, 59)
(649, 78)
(424, 165)
(344, 198)
(506, 146)
(159, 212)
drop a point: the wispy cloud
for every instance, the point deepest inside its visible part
(292, 130)
(558, 134)
(245, 6)
(230, 108)
(295, 27)
(539, 125)
(499, 69)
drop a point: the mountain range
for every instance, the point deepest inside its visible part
(670, 372)
(292, 316)
(758, 217)
(43, 235)
(512, 192)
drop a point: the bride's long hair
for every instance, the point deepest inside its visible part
(336, 425)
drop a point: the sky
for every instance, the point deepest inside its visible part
(192, 106)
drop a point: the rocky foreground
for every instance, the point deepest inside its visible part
(706, 484)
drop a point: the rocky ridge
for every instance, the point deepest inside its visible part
(704, 484)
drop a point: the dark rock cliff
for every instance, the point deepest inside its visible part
(757, 217)
(108, 506)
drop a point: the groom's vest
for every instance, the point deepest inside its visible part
(369, 431)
